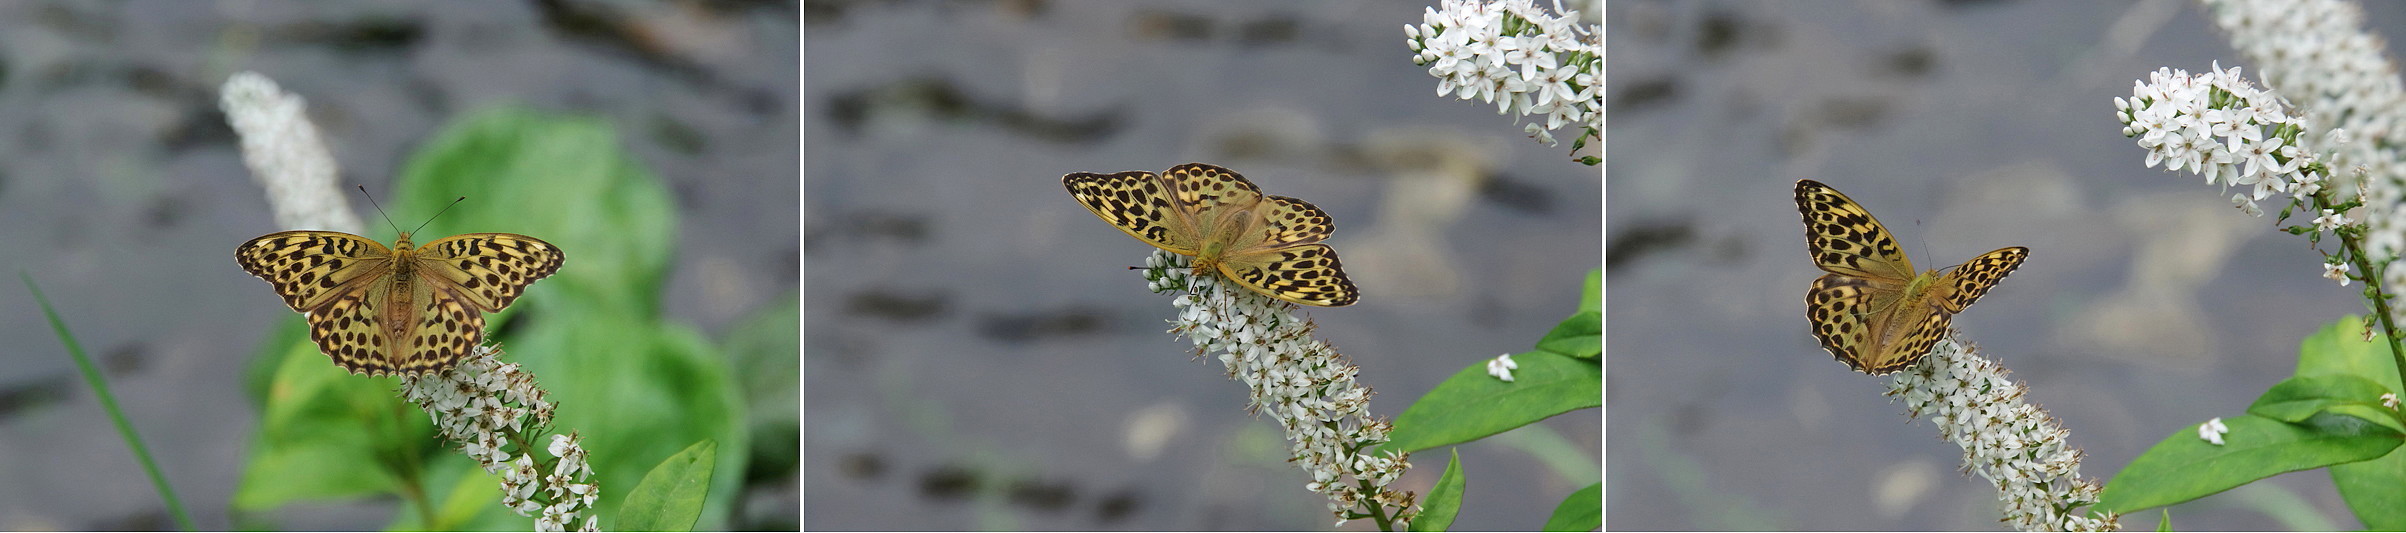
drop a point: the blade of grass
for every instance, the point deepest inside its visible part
(100, 389)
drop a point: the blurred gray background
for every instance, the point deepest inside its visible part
(978, 356)
(2148, 303)
(123, 194)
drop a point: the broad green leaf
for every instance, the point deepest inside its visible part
(1445, 499)
(638, 391)
(2298, 398)
(1581, 335)
(670, 497)
(1472, 404)
(2339, 349)
(2374, 490)
(761, 348)
(1583, 510)
(2183, 467)
(564, 179)
(326, 434)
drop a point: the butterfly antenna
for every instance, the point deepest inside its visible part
(388, 219)
(430, 220)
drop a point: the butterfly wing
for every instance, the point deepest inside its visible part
(1290, 222)
(310, 269)
(1138, 203)
(447, 327)
(345, 329)
(486, 270)
(1964, 284)
(1839, 307)
(1845, 239)
(1308, 275)
(1211, 196)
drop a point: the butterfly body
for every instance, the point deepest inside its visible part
(1872, 310)
(1268, 244)
(404, 310)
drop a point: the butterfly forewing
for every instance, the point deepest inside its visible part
(1966, 282)
(1845, 239)
(488, 270)
(311, 268)
(1138, 203)
(1211, 195)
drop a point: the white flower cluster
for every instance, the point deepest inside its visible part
(491, 408)
(285, 154)
(1524, 59)
(1299, 380)
(2318, 54)
(2017, 446)
(2219, 125)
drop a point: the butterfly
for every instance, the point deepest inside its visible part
(1267, 244)
(407, 310)
(1872, 310)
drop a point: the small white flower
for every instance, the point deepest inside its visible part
(2330, 220)
(1501, 367)
(2212, 430)
(2389, 400)
(2336, 272)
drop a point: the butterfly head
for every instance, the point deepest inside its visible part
(403, 243)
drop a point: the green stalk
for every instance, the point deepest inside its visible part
(108, 401)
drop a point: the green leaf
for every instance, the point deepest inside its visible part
(2339, 350)
(671, 496)
(326, 434)
(1583, 510)
(1472, 404)
(2374, 490)
(1591, 297)
(2166, 523)
(560, 178)
(1581, 335)
(2183, 467)
(762, 349)
(2298, 398)
(1445, 499)
(638, 391)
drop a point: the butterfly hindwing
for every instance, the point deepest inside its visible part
(344, 328)
(1308, 275)
(1836, 307)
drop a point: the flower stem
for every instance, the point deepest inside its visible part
(2373, 291)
